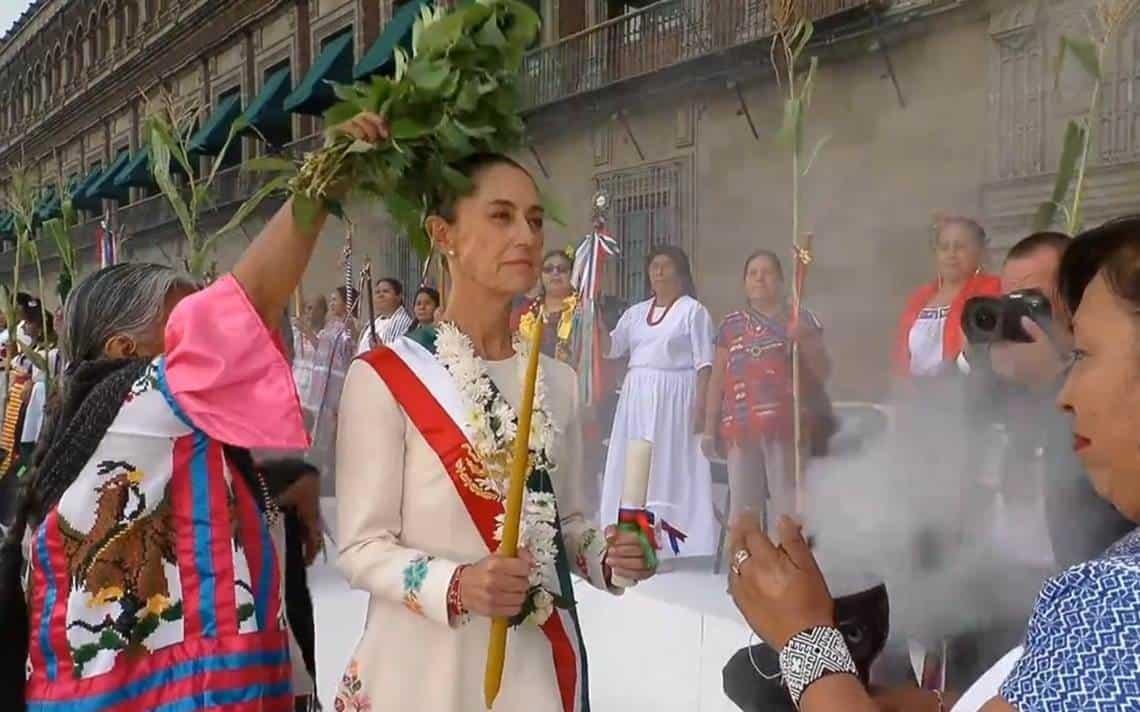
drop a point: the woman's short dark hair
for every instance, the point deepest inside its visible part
(680, 262)
(444, 202)
(1112, 249)
(396, 285)
(431, 292)
(348, 296)
(561, 254)
(973, 226)
(768, 255)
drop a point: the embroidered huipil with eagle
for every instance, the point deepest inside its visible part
(155, 584)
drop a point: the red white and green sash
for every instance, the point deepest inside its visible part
(433, 402)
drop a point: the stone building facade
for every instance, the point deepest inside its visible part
(929, 106)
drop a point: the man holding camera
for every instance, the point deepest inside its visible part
(1025, 374)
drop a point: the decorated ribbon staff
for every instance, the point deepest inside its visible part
(803, 256)
(589, 263)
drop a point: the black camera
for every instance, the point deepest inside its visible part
(990, 320)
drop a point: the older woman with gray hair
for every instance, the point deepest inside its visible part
(151, 542)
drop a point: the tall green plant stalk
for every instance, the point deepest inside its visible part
(1080, 134)
(22, 200)
(793, 33)
(168, 132)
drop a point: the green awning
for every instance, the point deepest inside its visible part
(79, 197)
(314, 94)
(104, 186)
(381, 57)
(49, 206)
(136, 172)
(211, 138)
(265, 115)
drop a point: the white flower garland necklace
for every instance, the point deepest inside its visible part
(493, 425)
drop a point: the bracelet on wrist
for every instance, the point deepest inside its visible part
(457, 613)
(812, 655)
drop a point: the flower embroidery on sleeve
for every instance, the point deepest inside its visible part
(414, 575)
(349, 697)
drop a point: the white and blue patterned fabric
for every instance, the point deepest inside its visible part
(1082, 650)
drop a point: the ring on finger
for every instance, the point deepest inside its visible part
(738, 560)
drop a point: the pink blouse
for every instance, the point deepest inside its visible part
(228, 371)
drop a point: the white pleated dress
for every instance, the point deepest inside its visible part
(657, 404)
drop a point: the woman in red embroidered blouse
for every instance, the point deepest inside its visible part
(749, 404)
(930, 335)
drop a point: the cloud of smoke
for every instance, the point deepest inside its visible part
(918, 507)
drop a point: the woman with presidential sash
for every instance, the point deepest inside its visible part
(424, 453)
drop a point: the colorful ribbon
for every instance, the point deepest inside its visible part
(643, 523)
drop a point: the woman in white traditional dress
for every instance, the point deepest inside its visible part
(336, 344)
(426, 429)
(669, 341)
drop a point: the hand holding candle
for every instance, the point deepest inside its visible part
(520, 470)
(634, 518)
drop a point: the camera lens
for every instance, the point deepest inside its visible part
(985, 320)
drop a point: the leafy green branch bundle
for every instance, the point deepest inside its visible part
(456, 96)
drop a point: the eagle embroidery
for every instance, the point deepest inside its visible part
(120, 560)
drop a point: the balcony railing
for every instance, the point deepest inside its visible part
(660, 36)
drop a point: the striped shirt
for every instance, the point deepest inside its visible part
(387, 328)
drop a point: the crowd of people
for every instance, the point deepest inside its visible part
(163, 476)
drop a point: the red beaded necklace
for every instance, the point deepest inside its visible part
(649, 315)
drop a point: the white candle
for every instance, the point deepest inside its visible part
(638, 462)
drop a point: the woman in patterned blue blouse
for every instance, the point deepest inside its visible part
(1082, 647)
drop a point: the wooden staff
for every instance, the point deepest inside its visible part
(520, 468)
(803, 256)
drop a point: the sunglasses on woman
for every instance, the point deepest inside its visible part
(555, 269)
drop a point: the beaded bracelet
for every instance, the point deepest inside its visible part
(456, 612)
(812, 655)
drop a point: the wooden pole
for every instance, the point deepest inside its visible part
(520, 468)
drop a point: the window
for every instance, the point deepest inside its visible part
(645, 210)
(233, 153)
(282, 123)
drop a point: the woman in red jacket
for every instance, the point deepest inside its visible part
(930, 333)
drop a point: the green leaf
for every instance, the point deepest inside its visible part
(524, 24)
(305, 211)
(270, 164)
(337, 114)
(277, 183)
(815, 154)
(793, 120)
(458, 183)
(804, 31)
(407, 129)
(807, 87)
(475, 131)
(468, 97)
(1086, 53)
(160, 153)
(345, 92)
(380, 89)
(438, 37)
(428, 76)
(1072, 149)
(489, 35)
